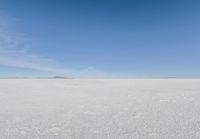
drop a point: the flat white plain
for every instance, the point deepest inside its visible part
(100, 108)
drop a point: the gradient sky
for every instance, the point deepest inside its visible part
(100, 38)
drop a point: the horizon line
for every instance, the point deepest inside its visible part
(65, 77)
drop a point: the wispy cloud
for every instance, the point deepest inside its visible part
(16, 52)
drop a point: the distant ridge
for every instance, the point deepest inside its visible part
(54, 77)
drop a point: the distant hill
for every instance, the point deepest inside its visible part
(54, 77)
(61, 77)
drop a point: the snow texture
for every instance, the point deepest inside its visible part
(100, 109)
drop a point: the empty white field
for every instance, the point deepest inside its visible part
(100, 109)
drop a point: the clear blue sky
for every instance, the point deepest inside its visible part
(97, 38)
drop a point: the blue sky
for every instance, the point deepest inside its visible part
(100, 38)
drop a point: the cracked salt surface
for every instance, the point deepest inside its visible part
(100, 109)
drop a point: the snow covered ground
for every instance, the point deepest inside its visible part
(99, 109)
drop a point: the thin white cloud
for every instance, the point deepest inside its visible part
(15, 52)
